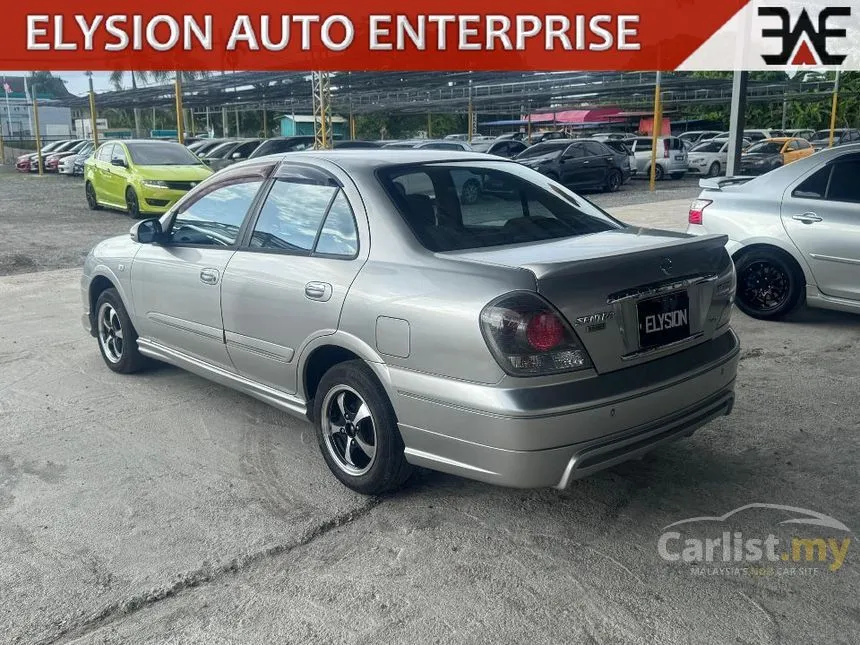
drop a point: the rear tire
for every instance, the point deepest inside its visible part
(613, 181)
(715, 169)
(92, 200)
(357, 430)
(770, 284)
(117, 337)
(659, 173)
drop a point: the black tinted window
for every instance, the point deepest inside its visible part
(643, 144)
(161, 154)
(844, 186)
(291, 216)
(592, 147)
(542, 149)
(214, 219)
(815, 187)
(446, 213)
(575, 151)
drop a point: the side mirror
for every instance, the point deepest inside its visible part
(147, 231)
(236, 155)
(118, 162)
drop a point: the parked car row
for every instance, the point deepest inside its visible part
(710, 157)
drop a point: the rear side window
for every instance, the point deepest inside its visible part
(305, 217)
(643, 144)
(596, 148)
(458, 207)
(674, 144)
(844, 186)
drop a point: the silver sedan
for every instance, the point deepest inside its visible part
(794, 233)
(524, 339)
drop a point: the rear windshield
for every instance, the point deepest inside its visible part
(767, 147)
(464, 206)
(161, 154)
(543, 149)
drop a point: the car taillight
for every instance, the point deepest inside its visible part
(697, 208)
(665, 148)
(528, 337)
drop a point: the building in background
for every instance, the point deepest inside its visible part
(293, 125)
(16, 110)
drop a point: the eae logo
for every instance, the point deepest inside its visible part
(796, 50)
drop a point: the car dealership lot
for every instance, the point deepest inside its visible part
(164, 508)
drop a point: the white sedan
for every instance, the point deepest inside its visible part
(710, 158)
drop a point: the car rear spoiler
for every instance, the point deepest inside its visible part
(717, 183)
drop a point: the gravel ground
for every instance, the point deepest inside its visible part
(55, 207)
(162, 508)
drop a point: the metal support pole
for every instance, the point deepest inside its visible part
(429, 126)
(224, 126)
(191, 121)
(208, 121)
(38, 134)
(471, 113)
(352, 126)
(236, 114)
(784, 112)
(265, 121)
(657, 126)
(834, 109)
(2, 146)
(180, 129)
(93, 127)
(737, 121)
(154, 127)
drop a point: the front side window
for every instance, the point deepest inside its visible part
(118, 154)
(445, 213)
(104, 153)
(215, 218)
(306, 216)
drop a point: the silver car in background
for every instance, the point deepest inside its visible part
(794, 233)
(526, 339)
(671, 157)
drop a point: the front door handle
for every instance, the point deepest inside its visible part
(209, 276)
(807, 218)
(318, 291)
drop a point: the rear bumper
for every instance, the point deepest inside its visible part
(545, 445)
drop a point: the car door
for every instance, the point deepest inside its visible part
(116, 174)
(642, 151)
(821, 214)
(100, 175)
(177, 283)
(286, 284)
(573, 169)
(600, 161)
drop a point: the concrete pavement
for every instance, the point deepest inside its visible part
(161, 508)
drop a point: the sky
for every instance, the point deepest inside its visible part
(77, 82)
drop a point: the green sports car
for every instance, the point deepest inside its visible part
(141, 177)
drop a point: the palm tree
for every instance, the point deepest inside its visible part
(144, 77)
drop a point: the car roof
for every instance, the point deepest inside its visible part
(372, 158)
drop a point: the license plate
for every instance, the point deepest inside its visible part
(664, 320)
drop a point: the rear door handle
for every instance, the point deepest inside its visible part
(209, 276)
(318, 291)
(807, 218)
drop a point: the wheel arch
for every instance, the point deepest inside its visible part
(325, 352)
(101, 280)
(774, 245)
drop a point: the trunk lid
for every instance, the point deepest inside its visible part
(599, 283)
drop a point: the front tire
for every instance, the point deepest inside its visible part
(92, 200)
(770, 284)
(117, 336)
(357, 430)
(715, 169)
(132, 203)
